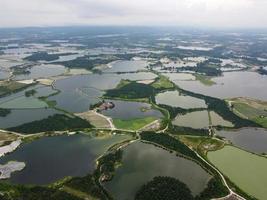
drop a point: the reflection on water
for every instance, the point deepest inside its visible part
(232, 84)
(173, 98)
(142, 162)
(131, 110)
(19, 117)
(250, 139)
(51, 158)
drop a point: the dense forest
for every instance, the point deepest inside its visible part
(57, 122)
(33, 193)
(178, 130)
(213, 189)
(85, 62)
(44, 56)
(132, 90)
(221, 107)
(30, 93)
(166, 188)
(174, 111)
(168, 142)
(107, 164)
(4, 112)
(82, 186)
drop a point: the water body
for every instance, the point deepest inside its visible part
(175, 99)
(127, 66)
(231, 84)
(142, 162)
(19, 117)
(131, 110)
(197, 120)
(246, 170)
(52, 158)
(42, 71)
(20, 93)
(217, 120)
(6, 63)
(24, 102)
(44, 91)
(79, 92)
(3, 75)
(180, 76)
(250, 139)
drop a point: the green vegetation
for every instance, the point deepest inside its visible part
(179, 130)
(208, 69)
(85, 62)
(9, 87)
(123, 83)
(133, 124)
(107, 165)
(206, 80)
(262, 121)
(251, 109)
(30, 93)
(202, 144)
(22, 70)
(57, 122)
(216, 187)
(166, 188)
(203, 68)
(4, 112)
(23, 102)
(222, 108)
(172, 189)
(162, 83)
(45, 56)
(168, 142)
(33, 193)
(244, 169)
(85, 185)
(131, 90)
(67, 189)
(174, 111)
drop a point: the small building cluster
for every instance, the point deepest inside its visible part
(106, 106)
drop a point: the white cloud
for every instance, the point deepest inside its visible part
(214, 13)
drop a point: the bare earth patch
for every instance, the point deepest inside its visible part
(96, 119)
(155, 125)
(46, 81)
(30, 81)
(12, 166)
(147, 82)
(9, 148)
(6, 137)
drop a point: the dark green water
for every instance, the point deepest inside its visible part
(52, 158)
(141, 162)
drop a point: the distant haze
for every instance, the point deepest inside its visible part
(200, 13)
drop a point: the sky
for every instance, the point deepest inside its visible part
(192, 13)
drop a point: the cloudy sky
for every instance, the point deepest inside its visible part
(201, 13)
